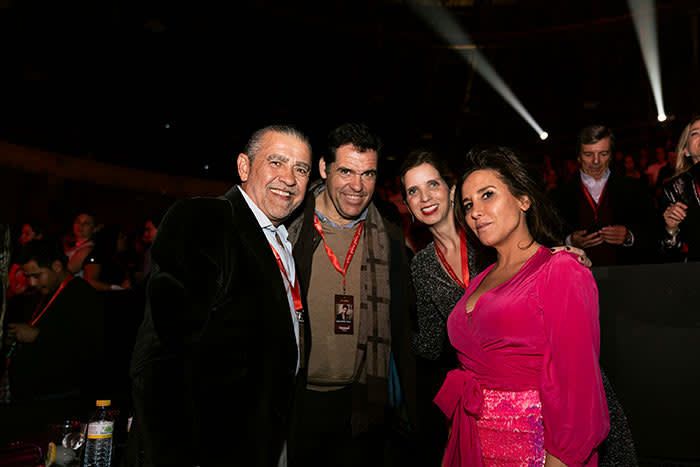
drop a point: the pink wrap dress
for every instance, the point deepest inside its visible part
(529, 379)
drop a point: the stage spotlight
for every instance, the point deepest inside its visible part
(644, 17)
(544, 135)
(661, 117)
(442, 22)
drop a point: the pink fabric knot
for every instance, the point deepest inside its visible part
(461, 390)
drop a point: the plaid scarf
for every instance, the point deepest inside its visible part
(374, 335)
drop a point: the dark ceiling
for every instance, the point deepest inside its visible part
(174, 86)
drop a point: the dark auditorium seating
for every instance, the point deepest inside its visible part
(650, 349)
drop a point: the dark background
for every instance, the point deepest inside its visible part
(177, 86)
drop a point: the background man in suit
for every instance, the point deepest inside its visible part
(606, 214)
(218, 352)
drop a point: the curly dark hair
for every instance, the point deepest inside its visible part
(543, 220)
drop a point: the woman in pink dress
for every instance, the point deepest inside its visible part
(528, 390)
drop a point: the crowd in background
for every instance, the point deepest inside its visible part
(114, 261)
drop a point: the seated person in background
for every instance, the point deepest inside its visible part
(30, 231)
(653, 170)
(17, 282)
(666, 172)
(104, 268)
(61, 328)
(150, 229)
(84, 228)
(631, 169)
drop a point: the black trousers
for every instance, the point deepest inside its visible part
(323, 434)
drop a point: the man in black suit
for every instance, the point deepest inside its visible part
(215, 363)
(606, 214)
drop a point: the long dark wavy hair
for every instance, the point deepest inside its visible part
(543, 220)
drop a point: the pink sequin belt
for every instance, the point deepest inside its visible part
(461, 399)
(511, 430)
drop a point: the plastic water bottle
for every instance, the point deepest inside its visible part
(100, 430)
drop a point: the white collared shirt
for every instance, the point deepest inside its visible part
(285, 255)
(595, 187)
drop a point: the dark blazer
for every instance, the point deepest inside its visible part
(682, 188)
(631, 206)
(71, 330)
(214, 365)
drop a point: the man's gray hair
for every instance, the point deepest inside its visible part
(255, 142)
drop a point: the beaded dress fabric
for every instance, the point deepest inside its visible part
(510, 429)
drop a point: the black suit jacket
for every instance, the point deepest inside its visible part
(214, 365)
(631, 206)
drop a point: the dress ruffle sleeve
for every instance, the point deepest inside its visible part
(574, 406)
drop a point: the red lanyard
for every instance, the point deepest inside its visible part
(589, 198)
(463, 258)
(331, 255)
(35, 316)
(296, 294)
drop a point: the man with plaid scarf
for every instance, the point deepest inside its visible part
(350, 257)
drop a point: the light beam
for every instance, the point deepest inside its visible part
(644, 17)
(442, 22)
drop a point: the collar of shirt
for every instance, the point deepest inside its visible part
(259, 215)
(595, 187)
(270, 230)
(325, 220)
(266, 224)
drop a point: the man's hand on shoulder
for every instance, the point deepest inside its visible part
(582, 258)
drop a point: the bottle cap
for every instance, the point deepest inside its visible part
(103, 403)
